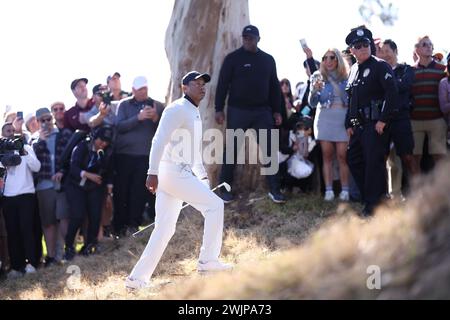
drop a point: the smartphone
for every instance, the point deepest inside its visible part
(45, 127)
(19, 115)
(303, 43)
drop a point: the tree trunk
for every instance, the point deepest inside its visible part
(199, 36)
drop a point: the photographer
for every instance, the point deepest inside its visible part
(90, 173)
(19, 201)
(53, 207)
(104, 109)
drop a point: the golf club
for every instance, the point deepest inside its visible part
(223, 184)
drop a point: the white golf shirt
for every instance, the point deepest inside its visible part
(178, 139)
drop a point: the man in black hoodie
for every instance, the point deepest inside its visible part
(249, 77)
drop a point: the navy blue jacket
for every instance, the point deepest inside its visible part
(85, 158)
(404, 75)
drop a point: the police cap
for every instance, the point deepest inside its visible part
(358, 35)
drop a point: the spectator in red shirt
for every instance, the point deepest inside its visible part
(83, 104)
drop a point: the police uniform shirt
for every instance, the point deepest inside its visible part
(373, 80)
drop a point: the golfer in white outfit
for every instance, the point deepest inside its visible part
(178, 177)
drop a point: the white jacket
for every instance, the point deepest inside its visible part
(178, 139)
(19, 179)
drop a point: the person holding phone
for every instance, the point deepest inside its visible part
(137, 121)
(52, 201)
(328, 94)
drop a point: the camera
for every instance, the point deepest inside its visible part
(9, 156)
(107, 97)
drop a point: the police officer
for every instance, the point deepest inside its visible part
(372, 92)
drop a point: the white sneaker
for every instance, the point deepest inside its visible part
(14, 274)
(213, 265)
(344, 196)
(135, 284)
(30, 269)
(329, 196)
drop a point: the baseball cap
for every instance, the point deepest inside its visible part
(194, 75)
(250, 31)
(75, 82)
(98, 87)
(115, 74)
(42, 112)
(139, 82)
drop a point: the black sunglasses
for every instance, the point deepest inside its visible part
(328, 57)
(45, 120)
(360, 45)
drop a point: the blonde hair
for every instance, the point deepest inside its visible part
(341, 69)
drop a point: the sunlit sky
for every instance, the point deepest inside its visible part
(48, 43)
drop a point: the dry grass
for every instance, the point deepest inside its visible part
(306, 249)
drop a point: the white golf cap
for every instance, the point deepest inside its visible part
(139, 82)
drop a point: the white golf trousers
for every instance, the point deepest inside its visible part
(175, 186)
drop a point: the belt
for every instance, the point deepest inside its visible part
(370, 113)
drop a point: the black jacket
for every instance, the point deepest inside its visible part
(85, 158)
(250, 80)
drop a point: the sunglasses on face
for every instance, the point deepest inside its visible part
(360, 45)
(45, 120)
(427, 44)
(57, 109)
(328, 58)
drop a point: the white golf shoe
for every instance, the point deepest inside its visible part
(213, 266)
(136, 284)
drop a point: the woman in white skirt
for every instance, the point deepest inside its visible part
(329, 96)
